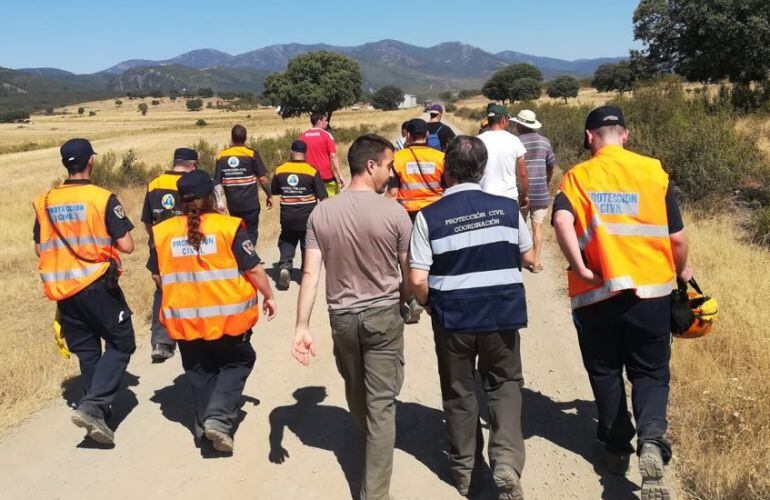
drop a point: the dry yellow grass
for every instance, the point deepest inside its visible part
(31, 371)
(720, 401)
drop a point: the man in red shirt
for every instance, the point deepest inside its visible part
(322, 152)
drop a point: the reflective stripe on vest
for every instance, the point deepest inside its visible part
(200, 276)
(619, 203)
(204, 294)
(210, 311)
(475, 280)
(71, 274)
(79, 212)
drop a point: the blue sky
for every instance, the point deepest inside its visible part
(88, 36)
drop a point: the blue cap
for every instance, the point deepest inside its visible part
(603, 116)
(299, 146)
(436, 108)
(417, 127)
(76, 152)
(185, 154)
(194, 184)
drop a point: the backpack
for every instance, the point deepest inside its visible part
(433, 140)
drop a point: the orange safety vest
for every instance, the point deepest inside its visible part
(619, 200)
(204, 294)
(79, 212)
(419, 170)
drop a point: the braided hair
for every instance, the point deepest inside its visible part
(193, 209)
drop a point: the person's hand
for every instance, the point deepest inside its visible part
(340, 182)
(686, 274)
(278, 455)
(524, 203)
(589, 276)
(269, 202)
(222, 209)
(269, 308)
(303, 347)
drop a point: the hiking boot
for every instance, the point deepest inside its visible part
(284, 277)
(508, 482)
(651, 468)
(617, 463)
(414, 312)
(220, 438)
(161, 352)
(96, 427)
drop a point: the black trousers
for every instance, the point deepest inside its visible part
(251, 219)
(287, 246)
(217, 371)
(499, 365)
(626, 331)
(94, 315)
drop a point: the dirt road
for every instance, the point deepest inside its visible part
(296, 439)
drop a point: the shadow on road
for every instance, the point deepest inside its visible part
(572, 426)
(124, 403)
(176, 405)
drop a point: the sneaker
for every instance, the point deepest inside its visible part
(284, 277)
(651, 468)
(96, 427)
(161, 352)
(221, 439)
(617, 463)
(414, 312)
(508, 482)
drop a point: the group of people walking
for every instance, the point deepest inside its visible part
(438, 225)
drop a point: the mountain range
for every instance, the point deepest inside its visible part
(422, 70)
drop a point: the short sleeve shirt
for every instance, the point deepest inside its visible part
(118, 223)
(162, 198)
(503, 151)
(360, 235)
(320, 144)
(238, 170)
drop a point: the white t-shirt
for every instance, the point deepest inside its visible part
(503, 149)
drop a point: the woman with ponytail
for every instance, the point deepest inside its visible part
(210, 276)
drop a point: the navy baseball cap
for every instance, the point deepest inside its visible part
(194, 184)
(604, 116)
(185, 154)
(75, 152)
(436, 108)
(417, 126)
(299, 146)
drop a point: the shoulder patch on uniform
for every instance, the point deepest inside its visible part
(168, 201)
(119, 211)
(248, 247)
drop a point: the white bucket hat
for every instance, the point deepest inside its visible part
(528, 119)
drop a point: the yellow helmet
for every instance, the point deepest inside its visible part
(704, 310)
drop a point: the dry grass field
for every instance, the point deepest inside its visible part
(31, 371)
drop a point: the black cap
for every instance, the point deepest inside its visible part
(194, 184)
(417, 127)
(299, 146)
(76, 152)
(185, 154)
(604, 116)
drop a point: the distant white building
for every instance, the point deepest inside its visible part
(410, 101)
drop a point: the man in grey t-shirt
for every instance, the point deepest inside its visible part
(363, 239)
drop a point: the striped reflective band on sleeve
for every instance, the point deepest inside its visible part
(77, 241)
(475, 280)
(199, 276)
(615, 285)
(72, 274)
(475, 238)
(414, 186)
(210, 311)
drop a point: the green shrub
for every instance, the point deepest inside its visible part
(207, 154)
(471, 113)
(14, 116)
(110, 174)
(92, 113)
(201, 122)
(450, 108)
